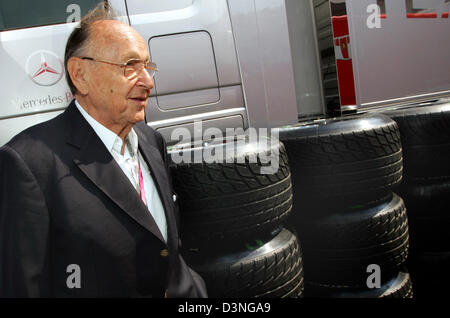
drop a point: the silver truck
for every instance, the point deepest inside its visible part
(238, 63)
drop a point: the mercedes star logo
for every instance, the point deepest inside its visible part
(44, 68)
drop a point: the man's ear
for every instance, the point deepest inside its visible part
(77, 73)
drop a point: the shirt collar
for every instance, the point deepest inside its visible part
(131, 143)
(112, 141)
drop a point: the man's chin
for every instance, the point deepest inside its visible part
(140, 116)
(139, 112)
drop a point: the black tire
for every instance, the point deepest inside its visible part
(428, 216)
(399, 286)
(221, 203)
(340, 162)
(271, 270)
(425, 133)
(339, 247)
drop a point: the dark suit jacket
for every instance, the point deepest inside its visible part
(64, 200)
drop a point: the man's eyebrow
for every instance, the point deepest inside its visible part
(135, 57)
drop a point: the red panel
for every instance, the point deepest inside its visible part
(421, 15)
(346, 82)
(340, 26)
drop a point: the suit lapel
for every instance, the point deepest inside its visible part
(95, 161)
(157, 170)
(152, 158)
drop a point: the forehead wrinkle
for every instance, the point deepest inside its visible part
(115, 39)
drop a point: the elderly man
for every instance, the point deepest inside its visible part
(86, 201)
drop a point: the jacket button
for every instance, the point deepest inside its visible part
(164, 253)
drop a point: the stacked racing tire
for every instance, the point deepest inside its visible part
(425, 133)
(235, 194)
(353, 227)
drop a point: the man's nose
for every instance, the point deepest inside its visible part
(145, 79)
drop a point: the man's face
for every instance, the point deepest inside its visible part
(118, 101)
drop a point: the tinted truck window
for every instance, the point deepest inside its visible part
(30, 13)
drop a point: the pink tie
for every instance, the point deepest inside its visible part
(141, 184)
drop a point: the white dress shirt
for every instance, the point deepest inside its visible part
(128, 163)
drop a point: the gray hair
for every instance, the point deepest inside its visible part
(79, 39)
